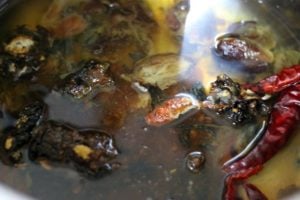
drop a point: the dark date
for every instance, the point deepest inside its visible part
(13, 139)
(88, 81)
(252, 56)
(24, 52)
(227, 98)
(89, 151)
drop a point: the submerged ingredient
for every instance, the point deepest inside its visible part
(24, 52)
(283, 119)
(88, 80)
(121, 58)
(13, 139)
(194, 161)
(162, 70)
(172, 109)
(248, 46)
(89, 151)
(251, 55)
(225, 98)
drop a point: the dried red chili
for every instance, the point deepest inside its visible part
(285, 114)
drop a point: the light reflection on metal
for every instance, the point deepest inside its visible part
(3, 5)
(8, 193)
(205, 20)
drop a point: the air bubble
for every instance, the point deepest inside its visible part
(195, 161)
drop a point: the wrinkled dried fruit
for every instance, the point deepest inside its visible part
(261, 34)
(227, 99)
(89, 80)
(30, 116)
(172, 109)
(24, 52)
(14, 138)
(252, 56)
(224, 90)
(89, 151)
(162, 70)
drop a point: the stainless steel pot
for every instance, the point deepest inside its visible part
(287, 24)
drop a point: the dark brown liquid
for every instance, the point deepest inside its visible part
(152, 159)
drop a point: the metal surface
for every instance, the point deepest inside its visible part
(10, 194)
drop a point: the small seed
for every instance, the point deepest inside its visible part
(8, 143)
(83, 151)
